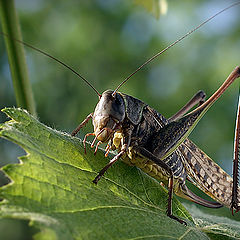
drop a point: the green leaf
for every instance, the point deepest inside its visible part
(220, 228)
(52, 188)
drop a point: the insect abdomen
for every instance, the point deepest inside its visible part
(155, 170)
(146, 166)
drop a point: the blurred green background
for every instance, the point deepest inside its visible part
(105, 41)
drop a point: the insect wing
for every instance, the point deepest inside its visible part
(206, 174)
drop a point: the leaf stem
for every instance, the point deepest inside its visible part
(16, 56)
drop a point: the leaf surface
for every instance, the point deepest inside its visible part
(52, 187)
(216, 227)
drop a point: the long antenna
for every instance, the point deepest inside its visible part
(57, 60)
(172, 44)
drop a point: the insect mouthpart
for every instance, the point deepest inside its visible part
(104, 128)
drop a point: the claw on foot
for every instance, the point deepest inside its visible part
(85, 139)
(177, 219)
(97, 147)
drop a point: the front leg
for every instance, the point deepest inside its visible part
(124, 148)
(82, 124)
(112, 161)
(145, 153)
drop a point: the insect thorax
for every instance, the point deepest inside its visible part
(151, 122)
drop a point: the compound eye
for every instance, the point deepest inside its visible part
(117, 101)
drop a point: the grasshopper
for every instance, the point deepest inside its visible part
(159, 146)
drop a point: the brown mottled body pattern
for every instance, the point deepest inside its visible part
(206, 174)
